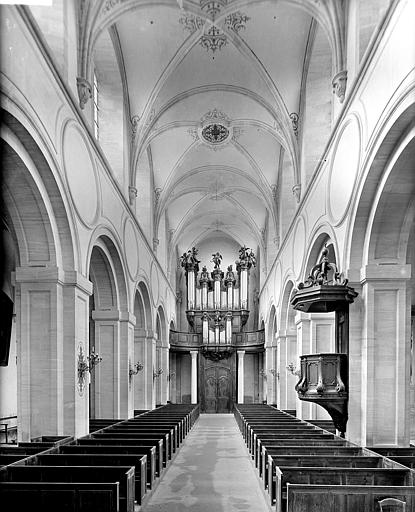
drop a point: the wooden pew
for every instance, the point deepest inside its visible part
(324, 424)
(407, 451)
(267, 450)
(98, 424)
(273, 441)
(177, 423)
(125, 475)
(132, 439)
(308, 461)
(6, 459)
(139, 462)
(19, 450)
(334, 476)
(345, 498)
(58, 496)
(171, 429)
(154, 452)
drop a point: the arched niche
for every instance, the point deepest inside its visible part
(107, 339)
(287, 340)
(143, 348)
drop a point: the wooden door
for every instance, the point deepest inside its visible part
(217, 388)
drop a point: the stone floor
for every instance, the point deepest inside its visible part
(212, 472)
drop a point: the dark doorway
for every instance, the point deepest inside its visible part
(217, 389)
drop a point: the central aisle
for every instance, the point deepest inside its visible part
(212, 472)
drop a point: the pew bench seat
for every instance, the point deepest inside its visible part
(87, 459)
(332, 476)
(60, 496)
(346, 498)
(125, 475)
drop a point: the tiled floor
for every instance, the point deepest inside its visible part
(212, 472)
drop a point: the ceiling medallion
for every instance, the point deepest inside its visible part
(215, 133)
(213, 37)
(215, 129)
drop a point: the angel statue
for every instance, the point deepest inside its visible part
(216, 259)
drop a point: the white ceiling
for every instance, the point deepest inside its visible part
(208, 191)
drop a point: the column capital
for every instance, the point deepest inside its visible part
(194, 353)
(240, 353)
(126, 316)
(300, 316)
(52, 274)
(111, 314)
(385, 272)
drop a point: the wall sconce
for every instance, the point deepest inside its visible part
(84, 366)
(93, 360)
(275, 372)
(157, 373)
(133, 370)
(293, 369)
(171, 375)
(263, 373)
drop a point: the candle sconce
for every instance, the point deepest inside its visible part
(170, 375)
(85, 365)
(133, 370)
(275, 373)
(293, 369)
(157, 373)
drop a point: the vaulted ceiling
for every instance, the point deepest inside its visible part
(214, 88)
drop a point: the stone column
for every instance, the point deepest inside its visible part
(302, 322)
(39, 298)
(143, 382)
(51, 323)
(76, 293)
(241, 376)
(127, 323)
(164, 381)
(291, 357)
(385, 355)
(269, 378)
(193, 354)
(354, 425)
(107, 375)
(281, 342)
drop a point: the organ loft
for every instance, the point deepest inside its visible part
(207, 253)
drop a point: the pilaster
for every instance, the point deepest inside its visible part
(241, 376)
(385, 355)
(303, 325)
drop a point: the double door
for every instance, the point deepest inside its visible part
(217, 389)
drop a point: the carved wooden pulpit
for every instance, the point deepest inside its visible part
(324, 377)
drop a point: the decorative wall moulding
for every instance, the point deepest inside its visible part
(294, 120)
(132, 195)
(81, 175)
(339, 84)
(84, 91)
